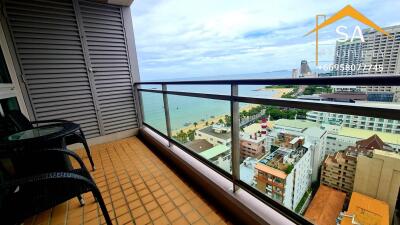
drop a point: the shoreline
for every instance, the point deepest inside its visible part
(201, 124)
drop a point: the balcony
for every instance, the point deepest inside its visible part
(138, 188)
(75, 60)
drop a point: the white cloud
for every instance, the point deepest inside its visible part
(184, 38)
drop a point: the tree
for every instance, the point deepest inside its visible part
(227, 120)
(206, 123)
(181, 137)
(221, 121)
(190, 135)
(195, 124)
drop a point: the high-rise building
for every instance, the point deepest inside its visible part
(379, 49)
(285, 174)
(315, 139)
(347, 54)
(304, 68)
(379, 177)
(353, 121)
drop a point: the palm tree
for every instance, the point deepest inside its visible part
(195, 124)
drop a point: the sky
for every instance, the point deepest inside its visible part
(180, 39)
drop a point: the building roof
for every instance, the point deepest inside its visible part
(299, 124)
(209, 130)
(270, 170)
(199, 145)
(315, 132)
(353, 96)
(366, 146)
(325, 206)
(214, 151)
(367, 210)
(247, 170)
(364, 134)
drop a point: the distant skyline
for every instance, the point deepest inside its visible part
(178, 39)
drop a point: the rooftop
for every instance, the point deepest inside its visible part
(298, 124)
(367, 211)
(364, 134)
(210, 131)
(215, 151)
(325, 206)
(137, 187)
(199, 145)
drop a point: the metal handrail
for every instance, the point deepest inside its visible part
(234, 98)
(376, 80)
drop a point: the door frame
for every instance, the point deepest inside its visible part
(13, 89)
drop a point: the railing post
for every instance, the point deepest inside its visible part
(138, 104)
(235, 123)
(166, 111)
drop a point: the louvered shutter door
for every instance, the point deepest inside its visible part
(104, 32)
(49, 48)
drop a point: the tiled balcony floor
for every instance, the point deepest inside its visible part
(137, 187)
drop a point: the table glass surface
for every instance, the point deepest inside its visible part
(35, 133)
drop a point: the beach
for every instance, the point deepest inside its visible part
(201, 124)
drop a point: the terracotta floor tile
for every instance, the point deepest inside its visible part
(167, 207)
(161, 221)
(124, 218)
(192, 216)
(174, 214)
(135, 204)
(181, 221)
(133, 183)
(138, 211)
(144, 219)
(156, 213)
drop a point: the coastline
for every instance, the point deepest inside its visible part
(200, 124)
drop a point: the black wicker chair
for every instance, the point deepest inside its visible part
(23, 197)
(20, 123)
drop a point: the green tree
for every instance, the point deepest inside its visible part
(221, 121)
(190, 135)
(227, 120)
(195, 124)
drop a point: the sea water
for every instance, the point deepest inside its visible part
(186, 110)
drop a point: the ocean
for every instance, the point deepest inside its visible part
(186, 110)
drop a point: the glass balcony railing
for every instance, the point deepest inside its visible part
(276, 142)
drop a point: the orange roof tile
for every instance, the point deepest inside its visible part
(367, 210)
(325, 206)
(270, 170)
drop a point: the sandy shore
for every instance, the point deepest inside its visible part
(200, 124)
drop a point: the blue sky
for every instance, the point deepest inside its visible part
(178, 39)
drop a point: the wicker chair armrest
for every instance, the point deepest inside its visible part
(16, 153)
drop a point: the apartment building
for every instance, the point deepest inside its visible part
(379, 49)
(377, 176)
(315, 139)
(252, 145)
(347, 53)
(216, 134)
(359, 122)
(285, 174)
(338, 170)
